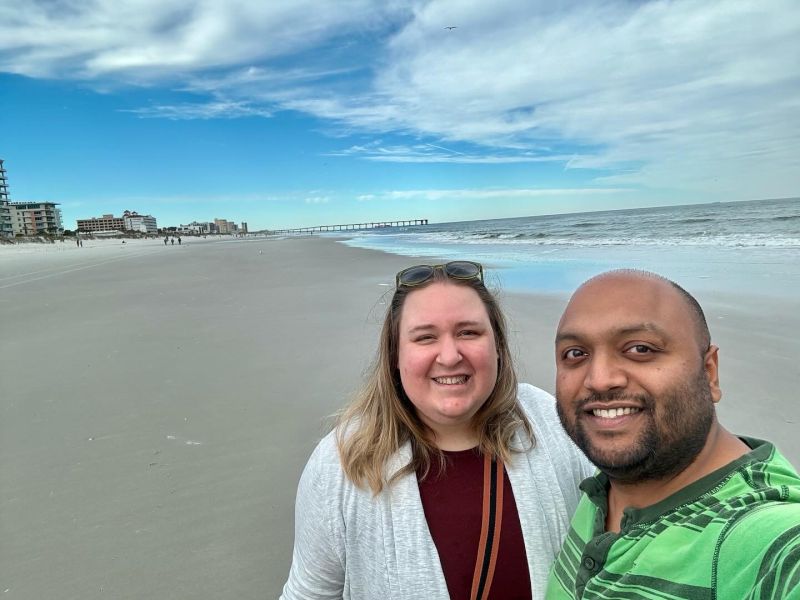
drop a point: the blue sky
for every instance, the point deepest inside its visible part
(307, 112)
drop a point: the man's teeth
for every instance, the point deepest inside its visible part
(611, 413)
(451, 380)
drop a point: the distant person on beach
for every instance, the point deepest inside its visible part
(444, 478)
(681, 508)
(179, 240)
(166, 239)
(172, 241)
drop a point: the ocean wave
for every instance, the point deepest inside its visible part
(588, 224)
(694, 220)
(542, 240)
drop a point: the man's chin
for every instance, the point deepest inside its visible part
(621, 466)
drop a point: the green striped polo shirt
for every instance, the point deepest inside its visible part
(734, 534)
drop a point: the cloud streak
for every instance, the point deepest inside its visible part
(431, 153)
(489, 194)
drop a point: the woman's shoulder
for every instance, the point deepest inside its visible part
(538, 405)
(552, 441)
(323, 468)
(325, 454)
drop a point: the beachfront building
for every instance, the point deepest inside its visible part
(34, 218)
(104, 223)
(133, 221)
(222, 225)
(199, 228)
(244, 227)
(6, 227)
(225, 226)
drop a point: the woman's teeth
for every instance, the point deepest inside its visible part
(451, 380)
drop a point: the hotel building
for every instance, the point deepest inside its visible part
(224, 226)
(199, 228)
(133, 221)
(34, 218)
(104, 223)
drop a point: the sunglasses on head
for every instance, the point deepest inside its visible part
(457, 269)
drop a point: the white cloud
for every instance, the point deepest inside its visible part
(667, 95)
(317, 200)
(695, 95)
(156, 39)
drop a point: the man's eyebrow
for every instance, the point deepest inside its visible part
(647, 326)
(564, 336)
(570, 336)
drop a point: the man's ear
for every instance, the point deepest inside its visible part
(711, 368)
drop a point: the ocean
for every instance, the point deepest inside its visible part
(732, 247)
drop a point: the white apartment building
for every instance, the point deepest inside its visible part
(199, 228)
(133, 221)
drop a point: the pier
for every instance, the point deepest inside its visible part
(352, 226)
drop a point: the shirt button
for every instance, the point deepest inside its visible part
(588, 562)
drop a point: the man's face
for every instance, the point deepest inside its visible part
(635, 391)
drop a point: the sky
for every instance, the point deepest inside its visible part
(316, 112)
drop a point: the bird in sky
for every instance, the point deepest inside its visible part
(452, 27)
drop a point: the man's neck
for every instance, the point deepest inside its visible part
(720, 449)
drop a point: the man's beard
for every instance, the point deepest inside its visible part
(664, 447)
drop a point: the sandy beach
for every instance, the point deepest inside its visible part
(157, 404)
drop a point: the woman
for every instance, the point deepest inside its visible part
(443, 479)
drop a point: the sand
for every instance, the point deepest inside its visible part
(157, 404)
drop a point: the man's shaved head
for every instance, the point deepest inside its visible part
(695, 310)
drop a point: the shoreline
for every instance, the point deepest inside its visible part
(165, 400)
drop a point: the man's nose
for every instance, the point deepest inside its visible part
(605, 373)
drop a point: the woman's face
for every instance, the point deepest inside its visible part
(447, 359)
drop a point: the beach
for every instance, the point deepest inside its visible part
(158, 403)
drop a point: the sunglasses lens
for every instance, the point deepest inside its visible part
(461, 269)
(415, 275)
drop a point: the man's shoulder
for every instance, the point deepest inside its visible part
(761, 552)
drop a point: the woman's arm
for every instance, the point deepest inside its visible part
(317, 570)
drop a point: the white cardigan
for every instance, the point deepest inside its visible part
(352, 545)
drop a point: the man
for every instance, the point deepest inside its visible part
(681, 508)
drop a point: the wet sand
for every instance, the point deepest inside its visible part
(158, 403)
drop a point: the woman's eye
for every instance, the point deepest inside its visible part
(468, 333)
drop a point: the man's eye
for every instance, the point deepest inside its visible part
(574, 353)
(639, 349)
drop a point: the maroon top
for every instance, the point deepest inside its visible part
(453, 506)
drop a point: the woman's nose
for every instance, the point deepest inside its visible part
(448, 352)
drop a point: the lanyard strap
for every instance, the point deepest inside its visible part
(490, 528)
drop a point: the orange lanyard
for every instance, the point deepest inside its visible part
(492, 519)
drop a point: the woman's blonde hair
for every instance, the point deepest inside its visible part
(381, 418)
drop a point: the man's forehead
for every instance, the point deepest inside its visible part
(628, 298)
